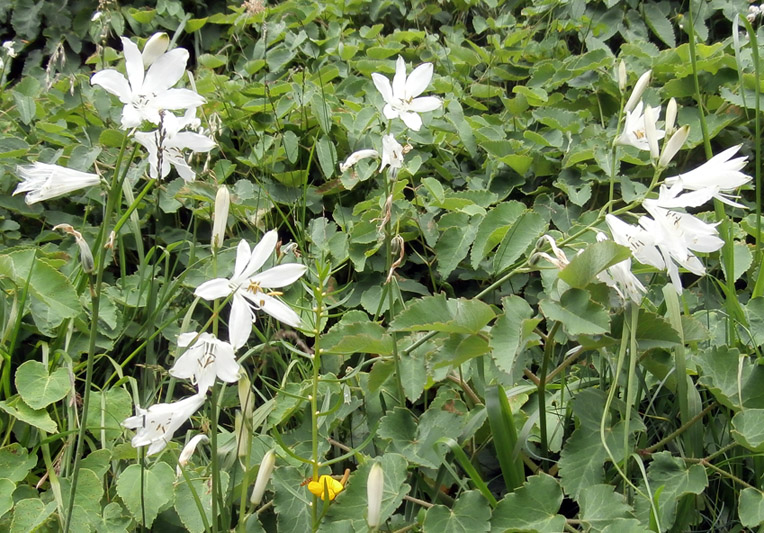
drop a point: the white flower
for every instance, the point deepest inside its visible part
(9, 48)
(640, 242)
(639, 88)
(188, 451)
(622, 279)
(145, 94)
(720, 174)
(356, 156)
(157, 424)
(263, 475)
(392, 155)
(634, 130)
(375, 485)
(401, 97)
(247, 289)
(205, 359)
(166, 145)
(43, 181)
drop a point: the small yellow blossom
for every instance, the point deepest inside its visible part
(326, 485)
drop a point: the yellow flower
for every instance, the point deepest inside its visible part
(326, 486)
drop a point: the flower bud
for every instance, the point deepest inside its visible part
(650, 132)
(622, 78)
(188, 451)
(673, 145)
(639, 88)
(375, 486)
(155, 47)
(263, 475)
(670, 117)
(222, 203)
(86, 256)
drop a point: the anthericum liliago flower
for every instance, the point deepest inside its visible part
(204, 360)
(401, 97)
(250, 291)
(157, 424)
(42, 181)
(392, 155)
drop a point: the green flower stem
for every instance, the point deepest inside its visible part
(314, 414)
(548, 351)
(214, 414)
(95, 299)
(389, 188)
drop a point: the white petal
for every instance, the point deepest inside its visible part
(355, 157)
(243, 254)
(399, 80)
(181, 167)
(154, 47)
(184, 339)
(131, 117)
(113, 82)
(280, 275)
(192, 141)
(260, 254)
(418, 80)
(226, 366)
(383, 86)
(390, 112)
(425, 103)
(279, 310)
(178, 99)
(213, 289)
(412, 120)
(240, 322)
(133, 64)
(166, 71)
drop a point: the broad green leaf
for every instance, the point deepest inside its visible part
(458, 349)
(327, 156)
(743, 259)
(107, 410)
(355, 333)
(577, 313)
(471, 513)
(653, 331)
(670, 478)
(455, 116)
(13, 147)
(15, 462)
(6, 495)
(750, 507)
(584, 267)
(494, 225)
(512, 332)
(520, 236)
(453, 246)
(352, 503)
(29, 514)
(89, 491)
(729, 379)
(532, 507)
(37, 418)
(157, 490)
(37, 387)
(754, 311)
(436, 313)
(601, 506)
(114, 519)
(291, 500)
(185, 503)
(656, 16)
(52, 297)
(748, 429)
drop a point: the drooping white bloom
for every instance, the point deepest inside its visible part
(188, 451)
(622, 279)
(375, 485)
(719, 175)
(634, 130)
(157, 424)
(392, 155)
(639, 88)
(42, 181)
(356, 156)
(205, 359)
(166, 145)
(146, 93)
(401, 97)
(640, 242)
(651, 133)
(249, 290)
(263, 475)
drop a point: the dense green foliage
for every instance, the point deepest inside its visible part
(500, 387)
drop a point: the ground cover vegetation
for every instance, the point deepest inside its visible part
(381, 266)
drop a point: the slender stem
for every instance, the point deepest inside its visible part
(214, 453)
(548, 351)
(388, 217)
(314, 414)
(681, 429)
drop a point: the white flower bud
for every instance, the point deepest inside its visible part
(622, 78)
(375, 486)
(222, 203)
(188, 451)
(155, 47)
(263, 475)
(639, 88)
(670, 116)
(673, 145)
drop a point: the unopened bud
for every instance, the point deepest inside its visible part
(673, 145)
(639, 88)
(375, 488)
(222, 203)
(86, 256)
(155, 47)
(188, 451)
(670, 117)
(622, 76)
(263, 475)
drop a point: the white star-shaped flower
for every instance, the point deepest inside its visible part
(392, 155)
(635, 130)
(157, 424)
(204, 360)
(250, 291)
(401, 97)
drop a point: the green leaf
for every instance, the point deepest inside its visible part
(327, 156)
(37, 387)
(584, 267)
(6, 495)
(52, 297)
(532, 507)
(21, 411)
(158, 490)
(512, 332)
(750, 507)
(15, 462)
(453, 246)
(470, 513)
(505, 440)
(89, 491)
(30, 513)
(492, 229)
(363, 336)
(455, 116)
(577, 313)
(520, 236)
(748, 429)
(185, 503)
(656, 16)
(291, 500)
(729, 379)
(435, 313)
(291, 146)
(107, 410)
(754, 311)
(601, 506)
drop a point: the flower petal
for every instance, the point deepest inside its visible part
(113, 82)
(383, 86)
(133, 64)
(390, 112)
(243, 254)
(260, 254)
(165, 72)
(278, 310)
(399, 80)
(425, 103)
(178, 99)
(213, 289)
(240, 322)
(418, 80)
(412, 120)
(131, 117)
(192, 141)
(280, 275)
